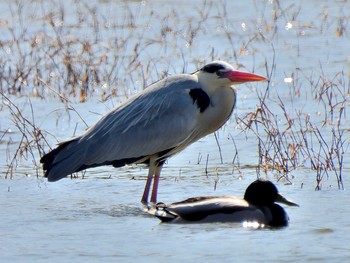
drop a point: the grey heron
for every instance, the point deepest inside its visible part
(258, 206)
(153, 125)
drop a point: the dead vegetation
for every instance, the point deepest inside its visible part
(77, 51)
(288, 141)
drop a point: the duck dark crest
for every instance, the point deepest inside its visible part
(261, 193)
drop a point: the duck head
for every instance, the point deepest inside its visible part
(264, 195)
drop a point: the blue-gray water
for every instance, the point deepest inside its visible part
(100, 218)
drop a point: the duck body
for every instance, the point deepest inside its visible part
(256, 207)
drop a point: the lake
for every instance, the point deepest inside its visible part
(66, 64)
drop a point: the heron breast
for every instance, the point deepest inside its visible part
(219, 111)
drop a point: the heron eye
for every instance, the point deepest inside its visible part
(219, 72)
(213, 68)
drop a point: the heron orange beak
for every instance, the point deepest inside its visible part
(241, 77)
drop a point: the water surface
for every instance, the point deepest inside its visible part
(100, 218)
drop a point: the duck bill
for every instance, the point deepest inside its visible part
(241, 77)
(281, 199)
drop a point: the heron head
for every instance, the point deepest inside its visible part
(220, 73)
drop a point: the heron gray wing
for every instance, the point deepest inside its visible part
(160, 118)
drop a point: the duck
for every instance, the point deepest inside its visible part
(257, 208)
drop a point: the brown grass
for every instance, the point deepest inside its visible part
(82, 51)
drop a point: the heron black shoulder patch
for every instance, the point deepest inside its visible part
(201, 98)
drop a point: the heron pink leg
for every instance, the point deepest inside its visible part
(144, 198)
(145, 195)
(155, 184)
(155, 189)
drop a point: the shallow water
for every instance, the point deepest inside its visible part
(100, 218)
